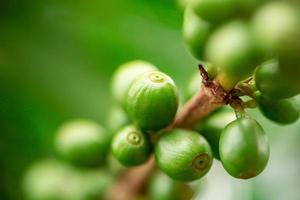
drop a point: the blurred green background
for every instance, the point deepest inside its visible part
(56, 61)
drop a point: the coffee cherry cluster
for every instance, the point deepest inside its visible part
(151, 104)
(254, 49)
(184, 155)
(252, 68)
(251, 51)
(255, 60)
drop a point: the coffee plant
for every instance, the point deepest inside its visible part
(249, 57)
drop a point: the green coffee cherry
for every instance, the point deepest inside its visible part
(195, 32)
(116, 119)
(152, 101)
(272, 81)
(283, 111)
(219, 11)
(131, 147)
(125, 75)
(231, 48)
(244, 148)
(214, 11)
(51, 180)
(276, 26)
(247, 7)
(212, 127)
(183, 155)
(82, 142)
(162, 187)
(94, 184)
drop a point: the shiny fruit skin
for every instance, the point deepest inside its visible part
(284, 111)
(212, 127)
(273, 82)
(232, 50)
(152, 101)
(131, 147)
(183, 155)
(125, 75)
(82, 142)
(162, 187)
(195, 33)
(244, 148)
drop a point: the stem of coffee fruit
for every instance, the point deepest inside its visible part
(210, 97)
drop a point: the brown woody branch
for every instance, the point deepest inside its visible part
(209, 97)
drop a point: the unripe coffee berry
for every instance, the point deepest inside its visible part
(195, 32)
(273, 81)
(244, 148)
(276, 26)
(53, 180)
(152, 101)
(94, 184)
(131, 147)
(212, 127)
(117, 118)
(125, 75)
(82, 142)
(231, 48)
(183, 155)
(283, 111)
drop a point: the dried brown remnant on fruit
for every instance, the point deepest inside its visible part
(248, 174)
(201, 162)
